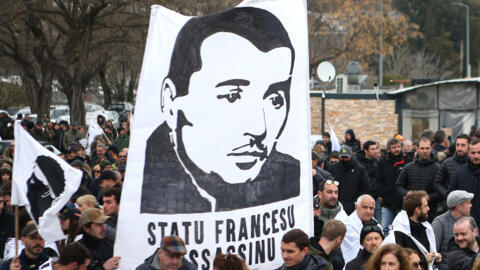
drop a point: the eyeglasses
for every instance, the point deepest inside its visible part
(122, 156)
(334, 182)
(96, 171)
(417, 264)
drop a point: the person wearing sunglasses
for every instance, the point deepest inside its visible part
(371, 238)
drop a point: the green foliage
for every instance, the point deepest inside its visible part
(12, 95)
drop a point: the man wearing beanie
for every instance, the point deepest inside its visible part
(371, 238)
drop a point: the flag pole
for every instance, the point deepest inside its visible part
(16, 231)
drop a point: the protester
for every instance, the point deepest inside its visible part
(414, 259)
(69, 220)
(328, 247)
(352, 177)
(330, 208)
(319, 174)
(371, 238)
(170, 255)
(92, 223)
(466, 177)
(74, 256)
(420, 174)
(466, 244)
(228, 261)
(459, 205)
(363, 214)
(352, 141)
(389, 257)
(448, 167)
(33, 255)
(411, 229)
(6, 224)
(408, 149)
(85, 202)
(111, 205)
(295, 254)
(389, 168)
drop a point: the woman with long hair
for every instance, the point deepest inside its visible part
(389, 257)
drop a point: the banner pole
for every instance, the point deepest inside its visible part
(16, 231)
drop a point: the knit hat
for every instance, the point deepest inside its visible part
(368, 228)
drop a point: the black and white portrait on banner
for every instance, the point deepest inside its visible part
(220, 149)
(216, 151)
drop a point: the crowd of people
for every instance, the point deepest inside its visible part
(408, 206)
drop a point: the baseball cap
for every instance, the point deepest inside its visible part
(28, 230)
(70, 213)
(173, 244)
(345, 151)
(458, 196)
(93, 215)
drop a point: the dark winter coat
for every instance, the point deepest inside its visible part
(6, 228)
(460, 258)
(371, 166)
(100, 249)
(467, 178)
(420, 175)
(27, 263)
(447, 168)
(359, 261)
(147, 265)
(334, 260)
(353, 181)
(389, 168)
(310, 262)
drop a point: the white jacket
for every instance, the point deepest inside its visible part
(401, 223)
(351, 243)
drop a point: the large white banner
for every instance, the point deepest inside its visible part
(42, 182)
(220, 151)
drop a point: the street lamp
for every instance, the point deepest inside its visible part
(468, 35)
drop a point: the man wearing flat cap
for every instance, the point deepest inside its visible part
(92, 223)
(459, 203)
(33, 255)
(168, 257)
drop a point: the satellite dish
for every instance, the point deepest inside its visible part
(326, 71)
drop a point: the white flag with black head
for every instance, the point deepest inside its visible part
(42, 182)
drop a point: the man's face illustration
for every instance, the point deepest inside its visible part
(234, 131)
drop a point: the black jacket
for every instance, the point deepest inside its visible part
(371, 166)
(389, 168)
(6, 228)
(27, 263)
(100, 249)
(353, 180)
(359, 261)
(447, 168)
(310, 262)
(460, 258)
(334, 260)
(147, 265)
(420, 175)
(467, 178)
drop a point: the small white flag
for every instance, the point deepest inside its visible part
(333, 139)
(42, 182)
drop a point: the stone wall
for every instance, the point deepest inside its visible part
(371, 119)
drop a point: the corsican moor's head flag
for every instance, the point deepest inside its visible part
(220, 142)
(42, 182)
